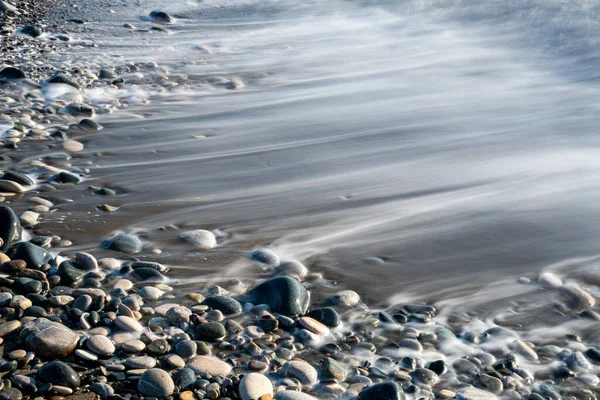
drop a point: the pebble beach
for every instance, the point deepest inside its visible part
(114, 320)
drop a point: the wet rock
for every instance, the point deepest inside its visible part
(472, 393)
(148, 275)
(100, 345)
(382, 391)
(326, 315)
(210, 331)
(60, 78)
(9, 327)
(10, 73)
(18, 177)
(333, 370)
(143, 362)
(10, 186)
(284, 295)
(68, 273)
(303, 371)
(32, 31)
(161, 17)
(347, 298)
(102, 389)
(265, 256)
(59, 373)
(156, 383)
(65, 177)
(128, 324)
(79, 110)
(292, 268)
(255, 385)
(49, 339)
(123, 243)
(33, 255)
(227, 305)
(10, 228)
(292, 395)
(89, 125)
(200, 239)
(185, 377)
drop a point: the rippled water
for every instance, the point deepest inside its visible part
(454, 141)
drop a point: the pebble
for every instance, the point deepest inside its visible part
(471, 393)
(102, 389)
(10, 228)
(150, 293)
(49, 339)
(255, 385)
(549, 280)
(133, 346)
(292, 268)
(161, 17)
(346, 298)
(303, 371)
(72, 145)
(59, 373)
(29, 219)
(9, 327)
(265, 256)
(382, 391)
(293, 395)
(227, 305)
(200, 239)
(143, 362)
(128, 324)
(156, 383)
(33, 255)
(284, 295)
(123, 243)
(326, 315)
(203, 365)
(211, 331)
(101, 345)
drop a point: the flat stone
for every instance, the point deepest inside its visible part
(175, 361)
(472, 393)
(49, 339)
(203, 365)
(314, 326)
(255, 385)
(284, 295)
(292, 395)
(59, 373)
(265, 256)
(156, 383)
(133, 346)
(301, 370)
(100, 345)
(128, 324)
(21, 302)
(143, 362)
(86, 355)
(347, 298)
(9, 327)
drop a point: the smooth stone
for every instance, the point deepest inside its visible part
(265, 256)
(186, 348)
(10, 228)
(200, 239)
(60, 78)
(314, 326)
(33, 255)
(32, 31)
(521, 348)
(86, 355)
(65, 177)
(83, 303)
(382, 391)
(133, 346)
(29, 219)
(472, 393)
(11, 186)
(72, 145)
(9, 327)
(143, 362)
(203, 365)
(326, 315)
(284, 295)
(157, 347)
(292, 268)
(11, 267)
(10, 73)
(549, 280)
(128, 324)
(347, 298)
(102, 389)
(303, 371)
(156, 383)
(161, 17)
(178, 315)
(333, 370)
(49, 339)
(59, 373)
(89, 125)
(227, 305)
(69, 274)
(150, 293)
(175, 361)
(255, 385)
(11, 394)
(185, 377)
(292, 395)
(148, 275)
(100, 345)
(123, 243)
(211, 331)
(86, 261)
(18, 177)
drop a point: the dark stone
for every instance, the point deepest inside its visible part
(65, 177)
(148, 275)
(69, 274)
(10, 228)
(89, 125)
(161, 16)
(157, 347)
(32, 31)
(593, 355)
(11, 73)
(60, 78)
(326, 315)
(79, 110)
(284, 295)
(59, 373)
(11, 394)
(227, 305)
(14, 266)
(439, 367)
(18, 177)
(106, 73)
(147, 264)
(185, 378)
(210, 331)
(124, 243)
(382, 391)
(33, 255)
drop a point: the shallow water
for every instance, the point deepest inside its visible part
(456, 142)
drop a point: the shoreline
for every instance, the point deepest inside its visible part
(118, 326)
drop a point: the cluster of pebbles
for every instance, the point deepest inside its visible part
(80, 327)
